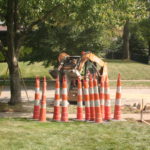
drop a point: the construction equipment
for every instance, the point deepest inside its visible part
(78, 66)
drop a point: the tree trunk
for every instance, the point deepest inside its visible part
(15, 86)
(126, 36)
(149, 52)
(12, 60)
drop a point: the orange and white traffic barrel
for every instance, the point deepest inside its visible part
(56, 116)
(117, 110)
(64, 113)
(98, 115)
(86, 100)
(42, 116)
(91, 94)
(107, 115)
(79, 101)
(102, 96)
(36, 111)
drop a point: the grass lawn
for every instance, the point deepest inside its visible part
(22, 134)
(129, 70)
(28, 71)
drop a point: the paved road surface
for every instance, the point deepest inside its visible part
(129, 95)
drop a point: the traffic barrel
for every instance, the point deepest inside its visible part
(98, 115)
(79, 101)
(36, 111)
(64, 113)
(42, 116)
(91, 94)
(102, 96)
(56, 115)
(107, 115)
(86, 99)
(117, 110)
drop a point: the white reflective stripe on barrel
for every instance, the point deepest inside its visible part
(92, 103)
(37, 102)
(37, 90)
(118, 102)
(101, 90)
(79, 104)
(65, 103)
(87, 104)
(96, 90)
(64, 91)
(57, 103)
(97, 103)
(43, 106)
(79, 91)
(91, 90)
(57, 91)
(44, 93)
(107, 103)
(102, 102)
(107, 91)
(86, 91)
(119, 89)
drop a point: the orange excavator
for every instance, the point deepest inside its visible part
(78, 66)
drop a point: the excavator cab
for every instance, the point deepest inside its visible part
(71, 62)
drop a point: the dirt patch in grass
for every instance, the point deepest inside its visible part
(8, 108)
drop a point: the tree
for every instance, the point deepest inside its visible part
(144, 28)
(83, 29)
(75, 18)
(129, 11)
(20, 18)
(138, 45)
(126, 37)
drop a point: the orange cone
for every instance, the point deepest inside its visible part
(98, 115)
(42, 117)
(56, 116)
(92, 105)
(36, 111)
(86, 99)
(107, 115)
(117, 111)
(79, 101)
(64, 113)
(102, 95)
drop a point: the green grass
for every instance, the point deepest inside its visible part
(28, 70)
(129, 70)
(22, 134)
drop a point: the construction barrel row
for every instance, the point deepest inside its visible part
(94, 94)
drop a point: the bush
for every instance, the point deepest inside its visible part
(2, 59)
(138, 49)
(115, 50)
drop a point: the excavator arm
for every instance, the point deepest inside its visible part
(73, 65)
(93, 58)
